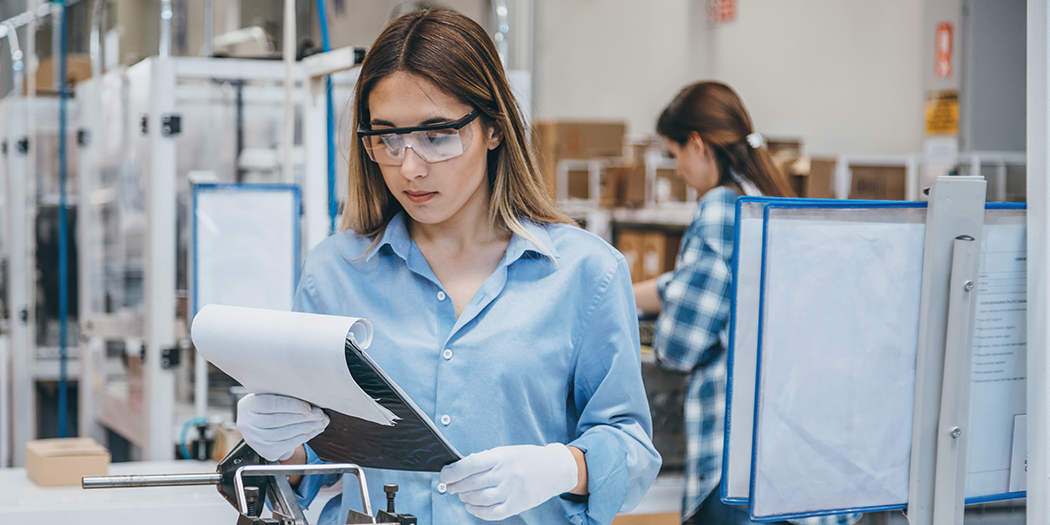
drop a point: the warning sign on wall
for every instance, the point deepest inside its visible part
(721, 11)
(942, 64)
(942, 112)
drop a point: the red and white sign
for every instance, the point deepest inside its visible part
(721, 11)
(942, 64)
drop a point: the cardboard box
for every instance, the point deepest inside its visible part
(622, 186)
(78, 68)
(62, 462)
(579, 184)
(659, 251)
(812, 179)
(669, 187)
(554, 140)
(671, 518)
(630, 243)
(878, 183)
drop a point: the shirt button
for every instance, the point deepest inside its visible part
(447, 354)
(442, 488)
(445, 420)
(441, 296)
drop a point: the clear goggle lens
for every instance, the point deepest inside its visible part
(431, 143)
(432, 146)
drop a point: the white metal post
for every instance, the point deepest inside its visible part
(23, 347)
(1038, 167)
(89, 245)
(953, 428)
(159, 383)
(956, 208)
(287, 143)
(5, 354)
(315, 140)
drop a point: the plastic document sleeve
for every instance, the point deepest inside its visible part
(838, 326)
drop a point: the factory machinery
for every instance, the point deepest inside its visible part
(248, 483)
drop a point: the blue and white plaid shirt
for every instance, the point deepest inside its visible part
(691, 336)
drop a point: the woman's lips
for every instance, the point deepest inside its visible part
(419, 197)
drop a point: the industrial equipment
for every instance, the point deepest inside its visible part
(247, 483)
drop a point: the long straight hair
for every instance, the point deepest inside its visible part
(454, 53)
(714, 111)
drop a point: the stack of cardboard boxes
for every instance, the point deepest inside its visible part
(650, 252)
(556, 140)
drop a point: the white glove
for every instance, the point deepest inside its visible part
(505, 481)
(275, 425)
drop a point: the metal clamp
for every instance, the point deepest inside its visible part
(280, 471)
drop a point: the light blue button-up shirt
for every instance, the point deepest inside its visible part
(545, 352)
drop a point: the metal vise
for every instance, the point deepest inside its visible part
(245, 480)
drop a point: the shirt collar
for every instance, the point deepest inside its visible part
(396, 236)
(540, 244)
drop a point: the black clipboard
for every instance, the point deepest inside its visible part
(412, 443)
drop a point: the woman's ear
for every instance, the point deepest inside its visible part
(495, 136)
(695, 142)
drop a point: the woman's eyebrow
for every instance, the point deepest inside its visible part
(428, 122)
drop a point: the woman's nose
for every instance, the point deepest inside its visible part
(413, 165)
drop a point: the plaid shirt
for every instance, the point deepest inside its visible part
(691, 336)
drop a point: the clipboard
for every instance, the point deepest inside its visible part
(412, 443)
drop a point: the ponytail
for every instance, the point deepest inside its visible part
(715, 112)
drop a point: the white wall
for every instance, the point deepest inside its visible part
(844, 76)
(611, 59)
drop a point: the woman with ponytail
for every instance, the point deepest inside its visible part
(719, 153)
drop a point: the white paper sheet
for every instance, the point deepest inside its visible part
(1019, 455)
(246, 247)
(289, 353)
(997, 387)
(745, 351)
(840, 326)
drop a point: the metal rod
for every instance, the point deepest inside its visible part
(63, 226)
(209, 28)
(288, 54)
(150, 480)
(165, 28)
(95, 46)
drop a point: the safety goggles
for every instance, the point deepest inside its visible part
(432, 143)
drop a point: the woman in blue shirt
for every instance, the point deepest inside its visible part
(709, 132)
(513, 329)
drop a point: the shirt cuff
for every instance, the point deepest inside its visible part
(309, 486)
(607, 480)
(661, 283)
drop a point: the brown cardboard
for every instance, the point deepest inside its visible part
(579, 184)
(554, 140)
(63, 461)
(622, 186)
(669, 518)
(877, 182)
(670, 187)
(814, 183)
(659, 251)
(78, 68)
(630, 243)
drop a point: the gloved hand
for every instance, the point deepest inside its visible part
(505, 481)
(275, 425)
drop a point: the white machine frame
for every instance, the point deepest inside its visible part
(151, 428)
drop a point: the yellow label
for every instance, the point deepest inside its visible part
(942, 112)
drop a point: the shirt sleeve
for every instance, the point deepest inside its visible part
(309, 486)
(695, 297)
(614, 428)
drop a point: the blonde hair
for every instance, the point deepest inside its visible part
(452, 52)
